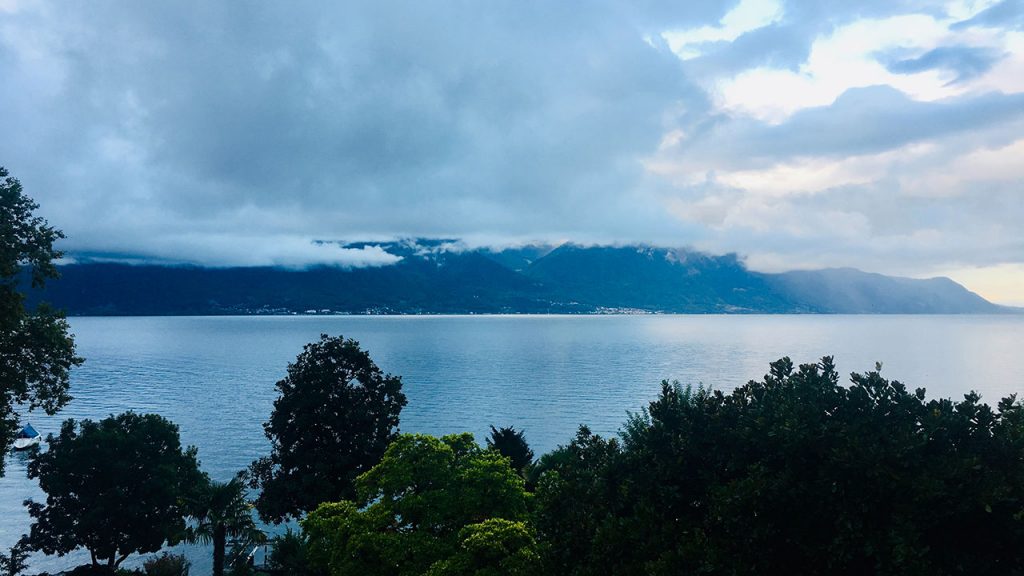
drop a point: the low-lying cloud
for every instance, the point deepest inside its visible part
(221, 250)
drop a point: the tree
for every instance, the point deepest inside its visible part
(15, 562)
(221, 510)
(793, 474)
(413, 509)
(115, 487)
(579, 496)
(511, 444)
(335, 416)
(36, 350)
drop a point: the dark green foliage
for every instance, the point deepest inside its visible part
(511, 444)
(167, 564)
(335, 416)
(15, 561)
(578, 497)
(794, 474)
(115, 487)
(222, 511)
(414, 508)
(36, 350)
(288, 556)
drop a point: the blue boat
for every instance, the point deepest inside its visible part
(27, 438)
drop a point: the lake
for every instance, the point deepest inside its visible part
(214, 376)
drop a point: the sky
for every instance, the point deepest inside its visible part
(886, 135)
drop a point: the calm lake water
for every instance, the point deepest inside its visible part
(214, 376)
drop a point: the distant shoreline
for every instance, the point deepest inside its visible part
(1009, 312)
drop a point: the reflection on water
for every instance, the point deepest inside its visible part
(214, 376)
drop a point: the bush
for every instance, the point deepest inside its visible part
(288, 554)
(167, 565)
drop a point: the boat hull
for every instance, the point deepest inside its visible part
(26, 443)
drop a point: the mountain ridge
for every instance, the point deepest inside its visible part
(441, 276)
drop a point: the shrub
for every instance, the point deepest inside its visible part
(167, 564)
(288, 554)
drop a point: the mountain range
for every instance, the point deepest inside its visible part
(443, 277)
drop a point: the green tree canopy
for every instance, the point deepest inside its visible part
(494, 547)
(335, 416)
(36, 350)
(114, 487)
(414, 510)
(793, 474)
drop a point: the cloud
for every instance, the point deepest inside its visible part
(861, 121)
(963, 62)
(861, 210)
(363, 120)
(747, 16)
(795, 131)
(924, 54)
(1005, 14)
(221, 250)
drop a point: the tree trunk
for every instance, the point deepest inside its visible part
(219, 543)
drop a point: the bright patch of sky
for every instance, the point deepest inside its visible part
(851, 57)
(963, 9)
(999, 283)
